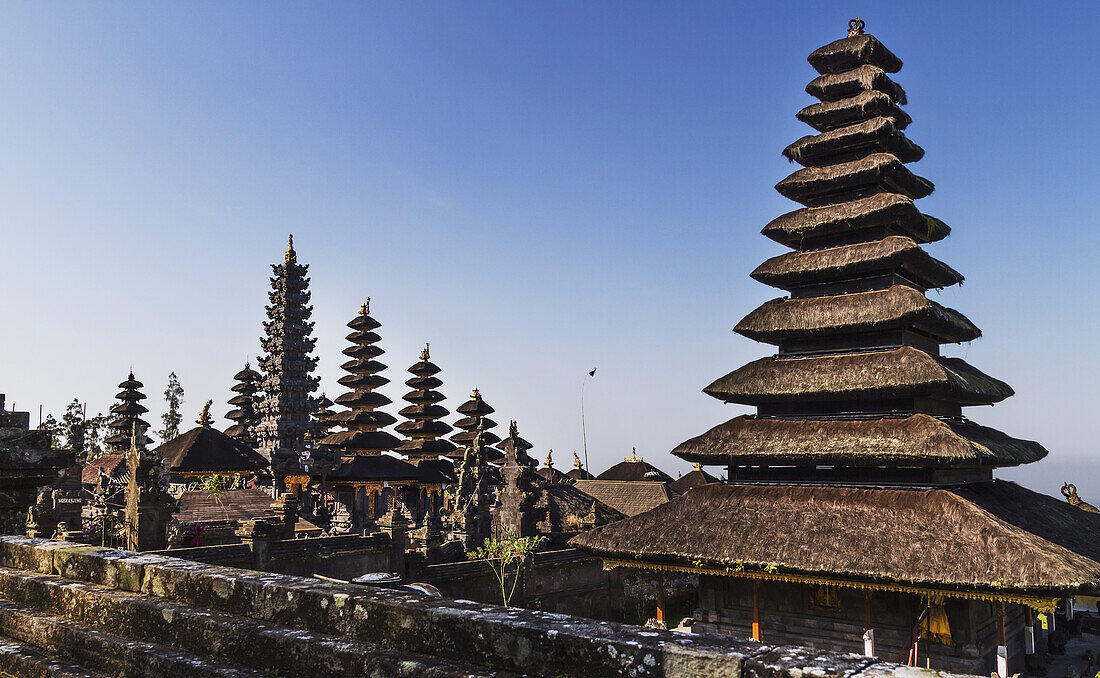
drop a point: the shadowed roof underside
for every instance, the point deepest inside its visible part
(994, 535)
(916, 441)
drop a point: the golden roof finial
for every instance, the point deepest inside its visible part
(476, 395)
(633, 455)
(290, 255)
(204, 419)
(425, 354)
(365, 308)
(855, 27)
(698, 467)
(549, 459)
(576, 461)
(513, 430)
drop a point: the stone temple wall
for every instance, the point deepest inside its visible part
(82, 610)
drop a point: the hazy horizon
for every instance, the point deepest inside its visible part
(537, 189)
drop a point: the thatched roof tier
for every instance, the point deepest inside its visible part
(362, 441)
(695, 478)
(896, 307)
(465, 438)
(436, 471)
(362, 323)
(830, 115)
(852, 52)
(579, 473)
(424, 383)
(424, 397)
(889, 211)
(877, 135)
(917, 441)
(475, 407)
(364, 365)
(837, 86)
(635, 469)
(355, 399)
(380, 467)
(424, 428)
(364, 381)
(361, 337)
(566, 500)
(246, 377)
(627, 496)
(904, 372)
(895, 253)
(425, 368)
(208, 450)
(470, 423)
(994, 536)
(420, 446)
(877, 173)
(429, 411)
(363, 352)
(362, 418)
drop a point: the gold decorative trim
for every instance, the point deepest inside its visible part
(1039, 603)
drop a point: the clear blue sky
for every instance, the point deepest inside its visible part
(535, 188)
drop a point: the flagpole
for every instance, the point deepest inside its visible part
(584, 434)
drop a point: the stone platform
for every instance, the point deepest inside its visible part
(88, 611)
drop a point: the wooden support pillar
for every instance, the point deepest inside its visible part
(756, 609)
(660, 596)
(1002, 649)
(1029, 631)
(868, 629)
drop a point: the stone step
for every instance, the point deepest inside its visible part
(18, 660)
(244, 641)
(104, 651)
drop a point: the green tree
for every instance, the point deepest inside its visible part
(501, 553)
(54, 428)
(214, 486)
(173, 395)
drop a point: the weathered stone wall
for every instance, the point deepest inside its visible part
(340, 557)
(566, 581)
(124, 613)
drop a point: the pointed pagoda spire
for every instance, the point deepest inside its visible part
(127, 426)
(245, 415)
(362, 421)
(424, 430)
(287, 364)
(859, 380)
(475, 413)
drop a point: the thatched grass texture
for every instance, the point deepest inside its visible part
(882, 210)
(852, 52)
(877, 135)
(916, 441)
(898, 373)
(871, 104)
(836, 86)
(892, 253)
(878, 172)
(993, 536)
(896, 307)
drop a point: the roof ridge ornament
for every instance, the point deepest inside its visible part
(549, 458)
(204, 419)
(291, 256)
(576, 461)
(425, 354)
(633, 455)
(365, 308)
(855, 27)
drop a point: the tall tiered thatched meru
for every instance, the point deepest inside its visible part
(363, 439)
(126, 425)
(858, 381)
(860, 498)
(423, 429)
